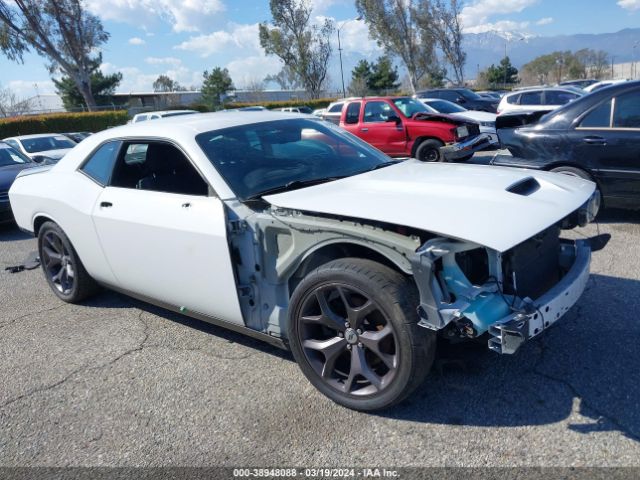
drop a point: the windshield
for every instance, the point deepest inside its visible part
(409, 107)
(444, 106)
(10, 156)
(469, 94)
(42, 144)
(260, 157)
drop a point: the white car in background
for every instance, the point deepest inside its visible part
(486, 120)
(538, 99)
(143, 117)
(603, 84)
(47, 147)
(287, 228)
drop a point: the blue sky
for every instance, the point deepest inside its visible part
(182, 38)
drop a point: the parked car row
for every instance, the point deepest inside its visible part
(596, 137)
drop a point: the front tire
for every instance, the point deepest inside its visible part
(429, 151)
(61, 265)
(353, 331)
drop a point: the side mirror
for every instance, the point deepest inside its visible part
(395, 119)
(38, 159)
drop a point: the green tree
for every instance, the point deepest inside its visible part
(304, 47)
(503, 74)
(400, 27)
(286, 79)
(442, 21)
(102, 86)
(384, 75)
(215, 87)
(61, 31)
(165, 84)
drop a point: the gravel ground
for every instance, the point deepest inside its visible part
(115, 382)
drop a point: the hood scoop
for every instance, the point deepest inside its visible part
(524, 187)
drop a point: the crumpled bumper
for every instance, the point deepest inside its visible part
(465, 148)
(508, 334)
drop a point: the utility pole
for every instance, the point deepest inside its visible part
(612, 59)
(357, 19)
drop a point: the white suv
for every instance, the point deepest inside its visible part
(536, 99)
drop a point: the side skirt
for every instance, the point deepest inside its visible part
(276, 342)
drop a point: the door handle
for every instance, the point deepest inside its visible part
(106, 204)
(186, 205)
(595, 140)
(364, 129)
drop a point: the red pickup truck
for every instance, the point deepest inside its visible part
(404, 127)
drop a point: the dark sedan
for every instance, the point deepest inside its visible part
(462, 96)
(12, 162)
(595, 137)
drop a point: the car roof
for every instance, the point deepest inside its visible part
(192, 125)
(164, 112)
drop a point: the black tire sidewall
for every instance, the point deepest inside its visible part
(426, 145)
(53, 227)
(405, 337)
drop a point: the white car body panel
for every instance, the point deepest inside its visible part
(170, 247)
(467, 202)
(473, 115)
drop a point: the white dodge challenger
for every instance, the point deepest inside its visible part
(289, 229)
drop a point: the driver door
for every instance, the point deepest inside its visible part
(388, 136)
(164, 237)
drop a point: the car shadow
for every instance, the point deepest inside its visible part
(587, 363)
(618, 215)
(10, 232)
(111, 299)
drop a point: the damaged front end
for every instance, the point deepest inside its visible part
(468, 290)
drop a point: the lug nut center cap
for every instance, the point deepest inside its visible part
(351, 336)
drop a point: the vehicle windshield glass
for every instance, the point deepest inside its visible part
(444, 106)
(469, 94)
(409, 107)
(264, 156)
(10, 156)
(42, 144)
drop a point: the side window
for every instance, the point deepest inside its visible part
(353, 113)
(599, 117)
(336, 108)
(13, 143)
(377, 112)
(100, 164)
(627, 111)
(159, 167)
(140, 118)
(513, 99)
(558, 97)
(531, 98)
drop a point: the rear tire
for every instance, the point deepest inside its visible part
(353, 329)
(62, 266)
(429, 151)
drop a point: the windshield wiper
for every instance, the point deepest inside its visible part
(293, 185)
(380, 165)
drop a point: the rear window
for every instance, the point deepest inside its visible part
(558, 97)
(336, 108)
(43, 144)
(353, 113)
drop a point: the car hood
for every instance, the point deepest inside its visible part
(9, 173)
(476, 116)
(467, 202)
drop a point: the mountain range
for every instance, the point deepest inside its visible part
(484, 49)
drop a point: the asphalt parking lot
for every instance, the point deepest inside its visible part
(121, 383)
